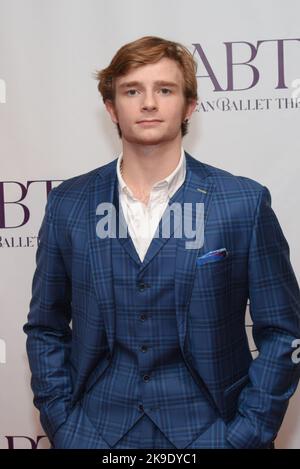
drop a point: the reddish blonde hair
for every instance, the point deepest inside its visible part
(146, 50)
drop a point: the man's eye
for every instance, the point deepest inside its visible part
(166, 89)
(128, 91)
(132, 91)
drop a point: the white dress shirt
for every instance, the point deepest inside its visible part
(142, 220)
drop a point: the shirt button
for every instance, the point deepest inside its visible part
(143, 348)
(146, 378)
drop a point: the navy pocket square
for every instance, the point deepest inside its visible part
(212, 256)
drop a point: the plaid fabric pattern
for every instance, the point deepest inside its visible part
(147, 367)
(74, 281)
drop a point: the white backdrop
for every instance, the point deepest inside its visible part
(53, 125)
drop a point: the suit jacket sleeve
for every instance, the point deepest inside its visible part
(48, 329)
(275, 312)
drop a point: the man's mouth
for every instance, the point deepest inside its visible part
(149, 122)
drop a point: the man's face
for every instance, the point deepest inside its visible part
(152, 91)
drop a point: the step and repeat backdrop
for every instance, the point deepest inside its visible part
(53, 125)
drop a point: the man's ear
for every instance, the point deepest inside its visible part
(110, 107)
(190, 108)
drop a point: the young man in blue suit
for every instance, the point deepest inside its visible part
(157, 354)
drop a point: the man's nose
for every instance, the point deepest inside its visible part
(149, 101)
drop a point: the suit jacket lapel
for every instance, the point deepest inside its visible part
(102, 189)
(197, 190)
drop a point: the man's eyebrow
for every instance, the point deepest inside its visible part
(157, 82)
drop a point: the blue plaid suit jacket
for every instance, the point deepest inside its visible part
(73, 282)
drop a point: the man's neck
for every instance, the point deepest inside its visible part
(143, 167)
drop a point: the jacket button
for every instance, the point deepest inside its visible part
(146, 378)
(143, 317)
(142, 286)
(141, 408)
(143, 348)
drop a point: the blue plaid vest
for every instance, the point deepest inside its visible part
(148, 373)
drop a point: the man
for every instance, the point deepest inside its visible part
(157, 355)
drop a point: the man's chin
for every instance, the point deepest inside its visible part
(146, 141)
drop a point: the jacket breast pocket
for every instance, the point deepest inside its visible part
(210, 297)
(213, 274)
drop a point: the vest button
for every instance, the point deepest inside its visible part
(146, 378)
(143, 348)
(141, 408)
